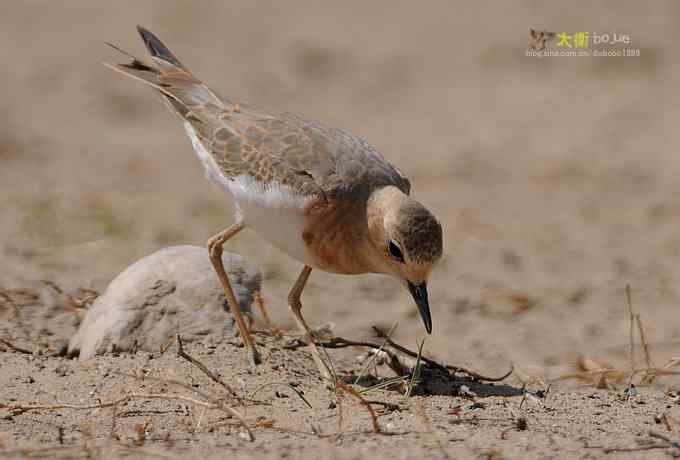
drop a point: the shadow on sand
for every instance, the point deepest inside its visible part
(435, 381)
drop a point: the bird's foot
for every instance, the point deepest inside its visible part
(254, 358)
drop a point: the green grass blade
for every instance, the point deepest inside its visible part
(375, 355)
(415, 375)
(384, 384)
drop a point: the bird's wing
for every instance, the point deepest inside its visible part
(308, 157)
(269, 148)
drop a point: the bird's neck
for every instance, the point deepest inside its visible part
(381, 208)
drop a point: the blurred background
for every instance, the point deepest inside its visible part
(556, 179)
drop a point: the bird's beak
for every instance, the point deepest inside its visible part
(419, 293)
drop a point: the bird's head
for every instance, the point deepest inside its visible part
(408, 239)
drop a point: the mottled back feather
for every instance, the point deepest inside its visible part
(271, 148)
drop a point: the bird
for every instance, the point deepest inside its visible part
(320, 194)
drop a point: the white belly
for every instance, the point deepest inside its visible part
(281, 226)
(273, 211)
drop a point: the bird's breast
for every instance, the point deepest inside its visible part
(335, 237)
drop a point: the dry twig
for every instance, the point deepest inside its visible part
(17, 409)
(13, 347)
(395, 364)
(114, 423)
(645, 347)
(275, 331)
(434, 363)
(609, 450)
(351, 391)
(615, 375)
(664, 437)
(630, 335)
(182, 354)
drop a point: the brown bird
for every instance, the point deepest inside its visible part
(320, 194)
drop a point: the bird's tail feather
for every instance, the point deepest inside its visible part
(158, 49)
(186, 95)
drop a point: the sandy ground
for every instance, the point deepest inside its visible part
(555, 180)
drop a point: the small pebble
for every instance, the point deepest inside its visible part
(61, 370)
(464, 390)
(521, 424)
(476, 406)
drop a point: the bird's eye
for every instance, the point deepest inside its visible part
(395, 252)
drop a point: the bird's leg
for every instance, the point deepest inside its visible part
(215, 244)
(296, 307)
(275, 331)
